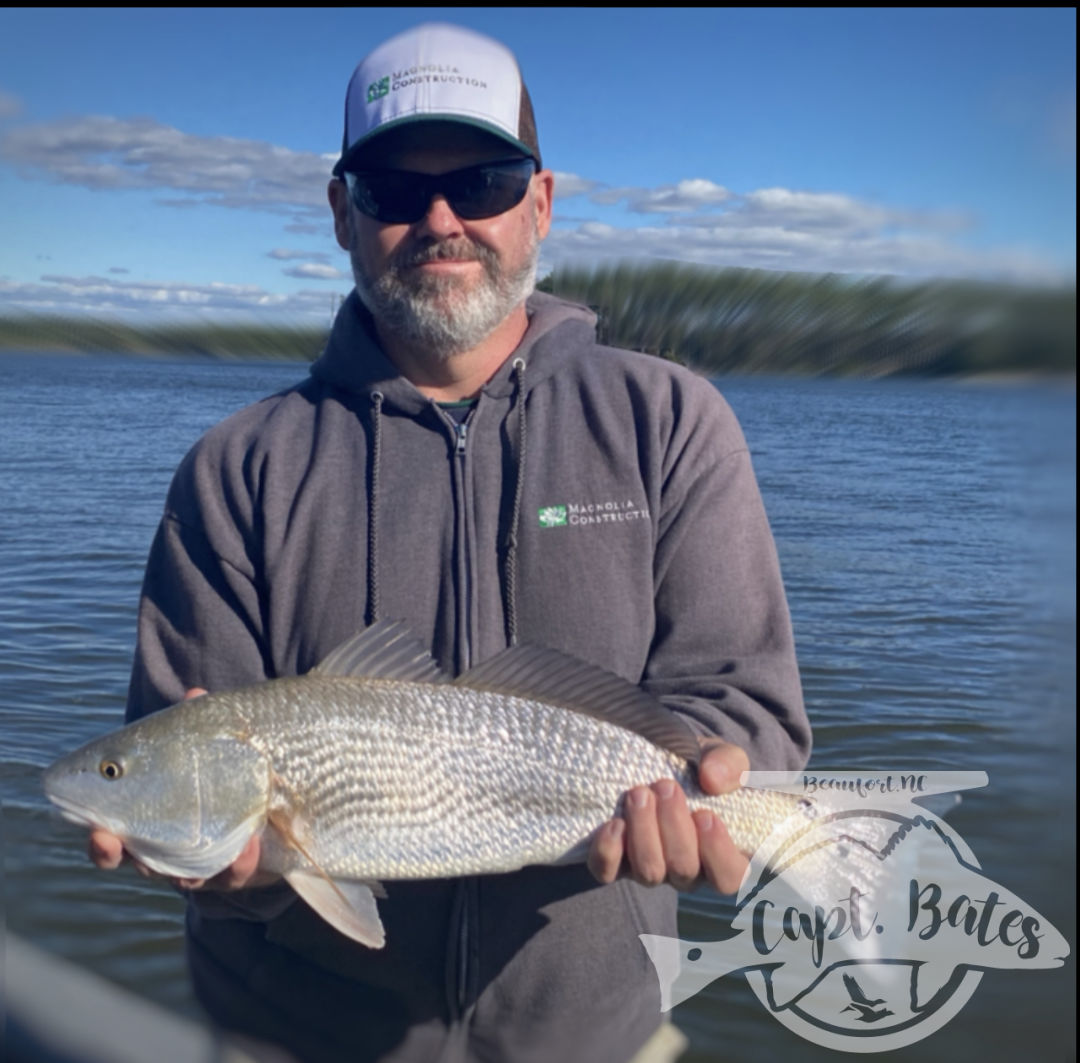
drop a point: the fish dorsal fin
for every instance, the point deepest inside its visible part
(542, 674)
(386, 650)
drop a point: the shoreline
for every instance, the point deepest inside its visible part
(990, 378)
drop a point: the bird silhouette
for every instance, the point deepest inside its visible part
(861, 1003)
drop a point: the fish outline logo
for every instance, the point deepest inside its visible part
(866, 925)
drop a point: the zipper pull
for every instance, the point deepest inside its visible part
(462, 429)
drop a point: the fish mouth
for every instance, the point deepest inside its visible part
(80, 815)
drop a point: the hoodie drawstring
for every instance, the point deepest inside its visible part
(373, 509)
(510, 575)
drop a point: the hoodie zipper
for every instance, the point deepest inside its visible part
(462, 429)
(461, 437)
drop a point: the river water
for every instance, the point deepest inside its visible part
(926, 532)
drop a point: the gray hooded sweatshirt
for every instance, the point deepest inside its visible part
(596, 501)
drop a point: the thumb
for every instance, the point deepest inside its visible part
(722, 764)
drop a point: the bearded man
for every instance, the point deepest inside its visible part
(466, 458)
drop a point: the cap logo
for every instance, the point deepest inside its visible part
(402, 79)
(378, 89)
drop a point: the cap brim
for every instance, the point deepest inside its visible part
(360, 151)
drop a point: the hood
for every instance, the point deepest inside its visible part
(354, 361)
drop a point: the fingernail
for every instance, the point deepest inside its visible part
(706, 821)
(665, 789)
(639, 798)
(614, 829)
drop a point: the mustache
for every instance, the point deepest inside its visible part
(461, 249)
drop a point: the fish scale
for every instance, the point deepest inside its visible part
(441, 770)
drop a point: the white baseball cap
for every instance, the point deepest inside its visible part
(438, 72)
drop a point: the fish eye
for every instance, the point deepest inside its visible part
(111, 769)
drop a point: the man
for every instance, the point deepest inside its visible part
(465, 458)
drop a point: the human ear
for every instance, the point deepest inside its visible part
(543, 191)
(338, 194)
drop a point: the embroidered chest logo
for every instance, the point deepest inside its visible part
(552, 516)
(579, 513)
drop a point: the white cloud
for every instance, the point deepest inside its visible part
(315, 271)
(568, 185)
(692, 220)
(812, 210)
(179, 204)
(164, 300)
(753, 239)
(102, 152)
(787, 229)
(306, 228)
(686, 196)
(820, 211)
(285, 254)
(702, 220)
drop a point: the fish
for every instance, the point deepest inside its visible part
(377, 766)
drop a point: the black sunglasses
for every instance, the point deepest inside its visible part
(397, 197)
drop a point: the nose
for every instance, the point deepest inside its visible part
(440, 219)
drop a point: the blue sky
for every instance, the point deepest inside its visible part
(173, 162)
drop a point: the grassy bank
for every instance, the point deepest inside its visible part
(737, 320)
(718, 321)
(90, 336)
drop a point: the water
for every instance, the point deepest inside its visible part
(926, 532)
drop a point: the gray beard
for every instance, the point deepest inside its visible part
(440, 316)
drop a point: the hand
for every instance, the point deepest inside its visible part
(661, 841)
(107, 851)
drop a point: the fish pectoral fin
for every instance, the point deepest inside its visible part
(349, 907)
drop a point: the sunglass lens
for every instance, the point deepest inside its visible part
(391, 197)
(397, 197)
(484, 191)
